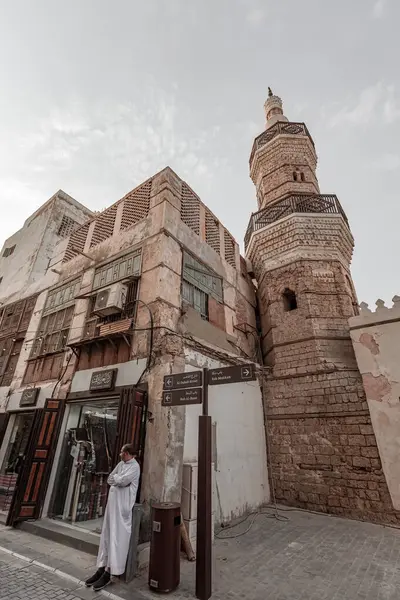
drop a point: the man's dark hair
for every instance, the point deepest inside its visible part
(129, 449)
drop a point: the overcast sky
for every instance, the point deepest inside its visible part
(97, 95)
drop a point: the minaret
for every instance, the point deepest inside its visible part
(300, 246)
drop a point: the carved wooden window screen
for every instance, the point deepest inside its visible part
(125, 266)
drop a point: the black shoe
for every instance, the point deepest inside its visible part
(104, 580)
(95, 577)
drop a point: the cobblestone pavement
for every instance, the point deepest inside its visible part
(306, 557)
(20, 579)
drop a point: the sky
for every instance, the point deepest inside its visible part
(96, 96)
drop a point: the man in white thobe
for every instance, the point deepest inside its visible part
(117, 525)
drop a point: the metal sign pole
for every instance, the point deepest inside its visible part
(204, 502)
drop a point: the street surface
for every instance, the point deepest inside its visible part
(306, 557)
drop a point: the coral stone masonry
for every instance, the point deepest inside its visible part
(324, 454)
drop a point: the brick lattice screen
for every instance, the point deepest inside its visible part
(229, 244)
(212, 232)
(190, 209)
(104, 226)
(76, 242)
(136, 205)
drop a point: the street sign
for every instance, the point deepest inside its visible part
(181, 397)
(231, 374)
(183, 380)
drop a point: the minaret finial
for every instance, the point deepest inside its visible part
(270, 92)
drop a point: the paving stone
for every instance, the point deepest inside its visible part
(307, 557)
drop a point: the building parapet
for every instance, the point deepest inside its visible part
(381, 314)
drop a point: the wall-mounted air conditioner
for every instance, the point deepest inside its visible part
(111, 300)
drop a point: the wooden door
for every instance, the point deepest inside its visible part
(131, 422)
(32, 483)
(3, 425)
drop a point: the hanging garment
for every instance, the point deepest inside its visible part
(116, 532)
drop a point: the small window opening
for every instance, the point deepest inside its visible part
(289, 300)
(302, 176)
(294, 175)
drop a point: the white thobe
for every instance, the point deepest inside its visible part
(117, 525)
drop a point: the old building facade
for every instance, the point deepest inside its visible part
(151, 286)
(324, 454)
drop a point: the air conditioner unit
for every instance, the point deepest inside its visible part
(110, 300)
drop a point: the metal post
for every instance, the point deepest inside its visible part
(205, 391)
(204, 501)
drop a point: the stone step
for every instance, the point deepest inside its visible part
(71, 536)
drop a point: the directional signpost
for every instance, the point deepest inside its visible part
(192, 388)
(231, 375)
(180, 397)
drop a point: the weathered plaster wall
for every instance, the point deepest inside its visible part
(240, 456)
(34, 246)
(376, 340)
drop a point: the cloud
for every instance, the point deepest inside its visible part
(391, 110)
(93, 150)
(375, 103)
(378, 9)
(363, 112)
(256, 16)
(388, 162)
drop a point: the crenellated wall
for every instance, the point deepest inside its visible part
(376, 341)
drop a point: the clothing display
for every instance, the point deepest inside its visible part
(86, 463)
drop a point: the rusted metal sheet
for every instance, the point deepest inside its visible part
(115, 327)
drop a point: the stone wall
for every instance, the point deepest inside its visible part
(274, 164)
(324, 453)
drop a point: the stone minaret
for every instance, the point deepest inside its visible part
(323, 449)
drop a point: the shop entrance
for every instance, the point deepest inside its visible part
(15, 454)
(86, 461)
(96, 429)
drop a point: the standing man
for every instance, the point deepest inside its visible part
(116, 532)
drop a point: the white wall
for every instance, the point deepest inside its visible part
(376, 341)
(241, 474)
(128, 374)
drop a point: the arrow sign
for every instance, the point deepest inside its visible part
(181, 397)
(179, 381)
(231, 374)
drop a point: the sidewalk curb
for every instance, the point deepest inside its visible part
(61, 574)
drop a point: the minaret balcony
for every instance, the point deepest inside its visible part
(280, 128)
(301, 203)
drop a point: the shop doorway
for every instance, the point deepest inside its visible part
(14, 458)
(86, 460)
(96, 429)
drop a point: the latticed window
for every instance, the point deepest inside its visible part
(198, 283)
(62, 295)
(125, 266)
(136, 205)
(53, 332)
(52, 335)
(76, 242)
(67, 226)
(212, 232)
(230, 249)
(104, 226)
(196, 298)
(190, 209)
